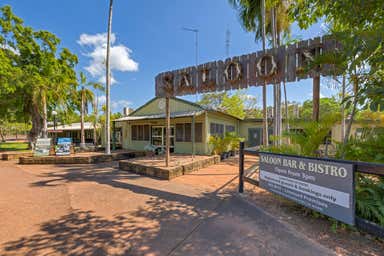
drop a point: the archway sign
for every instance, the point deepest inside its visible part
(287, 63)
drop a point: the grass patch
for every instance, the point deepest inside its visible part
(13, 146)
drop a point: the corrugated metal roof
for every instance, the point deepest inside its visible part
(72, 127)
(158, 116)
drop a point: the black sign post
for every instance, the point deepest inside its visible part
(241, 167)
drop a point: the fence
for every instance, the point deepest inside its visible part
(359, 167)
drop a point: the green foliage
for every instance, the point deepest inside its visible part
(370, 198)
(309, 135)
(13, 146)
(250, 15)
(233, 105)
(327, 105)
(217, 145)
(34, 72)
(238, 104)
(361, 55)
(230, 142)
(368, 147)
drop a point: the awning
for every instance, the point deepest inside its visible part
(160, 116)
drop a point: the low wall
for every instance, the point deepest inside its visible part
(14, 155)
(170, 172)
(79, 159)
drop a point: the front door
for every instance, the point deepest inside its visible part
(158, 137)
(255, 136)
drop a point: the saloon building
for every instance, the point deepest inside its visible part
(146, 126)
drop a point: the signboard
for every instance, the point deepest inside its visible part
(286, 63)
(42, 147)
(63, 146)
(324, 186)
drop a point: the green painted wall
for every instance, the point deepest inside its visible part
(180, 147)
(219, 118)
(152, 107)
(245, 125)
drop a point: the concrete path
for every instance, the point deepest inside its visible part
(99, 210)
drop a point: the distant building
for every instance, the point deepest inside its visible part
(73, 131)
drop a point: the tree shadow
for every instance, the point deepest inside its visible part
(154, 229)
(158, 227)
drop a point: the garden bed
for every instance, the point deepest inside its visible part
(179, 165)
(81, 158)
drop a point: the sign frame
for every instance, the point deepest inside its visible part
(334, 209)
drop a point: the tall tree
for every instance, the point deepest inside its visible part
(108, 84)
(86, 95)
(44, 75)
(358, 26)
(253, 18)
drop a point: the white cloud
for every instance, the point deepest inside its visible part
(101, 100)
(95, 40)
(120, 56)
(120, 104)
(102, 80)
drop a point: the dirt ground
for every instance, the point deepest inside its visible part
(96, 209)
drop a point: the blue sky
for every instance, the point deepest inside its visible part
(149, 40)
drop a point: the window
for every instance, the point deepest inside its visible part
(184, 132)
(198, 132)
(134, 132)
(146, 132)
(179, 132)
(217, 129)
(187, 133)
(140, 132)
(229, 128)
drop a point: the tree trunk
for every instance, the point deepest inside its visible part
(45, 124)
(276, 86)
(108, 85)
(354, 108)
(37, 125)
(286, 107)
(95, 122)
(3, 134)
(265, 114)
(316, 98)
(343, 109)
(82, 138)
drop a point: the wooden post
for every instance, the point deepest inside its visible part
(193, 136)
(168, 130)
(316, 98)
(265, 116)
(241, 167)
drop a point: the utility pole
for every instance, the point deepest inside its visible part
(227, 42)
(196, 31)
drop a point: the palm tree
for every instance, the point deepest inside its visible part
(108, 85)
(86, 95)
(253, 19)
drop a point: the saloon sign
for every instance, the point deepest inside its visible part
(286, 63)
(323, 185)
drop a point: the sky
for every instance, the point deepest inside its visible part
(148, 39)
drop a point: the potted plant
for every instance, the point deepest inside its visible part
(150, 150)
(217, 146)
